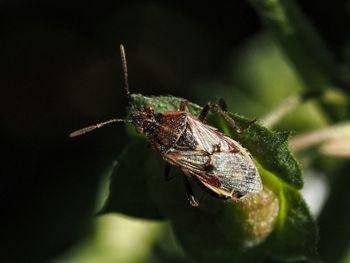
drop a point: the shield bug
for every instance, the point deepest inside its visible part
(217, 162)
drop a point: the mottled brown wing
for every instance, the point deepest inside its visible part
(209, 138)
(219, 162)
(224, 173)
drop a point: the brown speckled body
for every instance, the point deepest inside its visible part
(219, 163)
(171, 125)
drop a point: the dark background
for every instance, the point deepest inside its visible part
(60, 71)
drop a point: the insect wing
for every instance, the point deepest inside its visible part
(237, 174)
(195, 163)
(219, 162)
(209, 138)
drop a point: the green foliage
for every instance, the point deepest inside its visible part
(269, 148)
(219, 230)
(296, 234)
(129, 192)
(334, 219)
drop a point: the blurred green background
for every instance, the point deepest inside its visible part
(60, 71)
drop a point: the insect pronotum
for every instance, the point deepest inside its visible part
(217, 162)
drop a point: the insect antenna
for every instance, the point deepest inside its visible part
(125, 70)
(95, 126)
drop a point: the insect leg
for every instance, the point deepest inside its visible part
(167, 172)
(204, 113)
(248, 125)
(222, 104)
(189, 192)
(183, 105)
(211, 106)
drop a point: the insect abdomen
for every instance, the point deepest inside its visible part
(218, 162)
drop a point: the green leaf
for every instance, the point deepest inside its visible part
(129, 192)
(268, 147)
(335, 217)
(296, 234)
(275, 222)
(213, 231)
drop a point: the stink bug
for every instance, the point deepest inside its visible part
(217, 162)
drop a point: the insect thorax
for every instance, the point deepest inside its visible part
(170, 126)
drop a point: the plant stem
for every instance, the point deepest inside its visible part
(302, 45)
(300, 42)
(286, 106)
(306, 140)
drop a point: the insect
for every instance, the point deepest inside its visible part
(217, 162)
